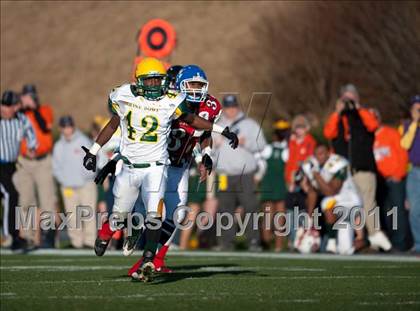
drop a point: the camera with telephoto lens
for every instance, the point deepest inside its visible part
(349, 105)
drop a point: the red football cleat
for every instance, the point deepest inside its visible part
(158, 261)
(135, 267)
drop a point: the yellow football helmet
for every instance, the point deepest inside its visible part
(281, 129)
(151, 68)
(281, 125)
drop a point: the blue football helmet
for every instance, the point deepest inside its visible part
(188, 74)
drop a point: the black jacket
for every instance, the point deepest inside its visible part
(359, 149)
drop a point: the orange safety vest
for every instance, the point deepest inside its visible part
(391, 159)
(45, 140)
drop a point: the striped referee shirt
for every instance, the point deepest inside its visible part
(12, 131)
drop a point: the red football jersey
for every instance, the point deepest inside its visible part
(183, 137)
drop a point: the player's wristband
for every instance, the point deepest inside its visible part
(217, 128)
(95, 148)
(206, 150)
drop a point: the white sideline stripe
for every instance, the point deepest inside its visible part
(153, 296)
(120, 267)
(290, 269)
(391, 258)
(246, 255)
(62, 268)
(40, 260)
(320, 277)
(192, 297)
(374, 267)
(234, 278)
(411, 302)
(97, 282)
(7, 294)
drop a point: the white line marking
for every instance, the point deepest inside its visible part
(375, 267)
(235, 278)
(61, 268)
(247, 255)
(152, 296)
(70, 281)
(245, 268)
(368, 303)
(72, 268)
(327, 277)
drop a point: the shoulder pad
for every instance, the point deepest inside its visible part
(176, 97)
(122, 90)
(335, 163)
(172, 94)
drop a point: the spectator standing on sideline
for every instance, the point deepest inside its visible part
(34, 175)
(237, 169)
(273, 185)
(77, 186)
(392, 161)
(301, 146)
(410, 141)
(14, 127)
(351, 128)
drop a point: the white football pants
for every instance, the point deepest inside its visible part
(150, 182)
(345, 232)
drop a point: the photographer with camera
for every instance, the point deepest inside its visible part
(351, 131)
(34, 178)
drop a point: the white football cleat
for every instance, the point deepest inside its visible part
(331, 246)
(130, 242)
(379, 240)
(128, 247)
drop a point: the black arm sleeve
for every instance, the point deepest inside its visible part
(41, 122)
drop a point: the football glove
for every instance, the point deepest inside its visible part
(233, 138)
(207, 162)
(89, 161)
(109, 168)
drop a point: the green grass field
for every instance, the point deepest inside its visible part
(237, 281)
